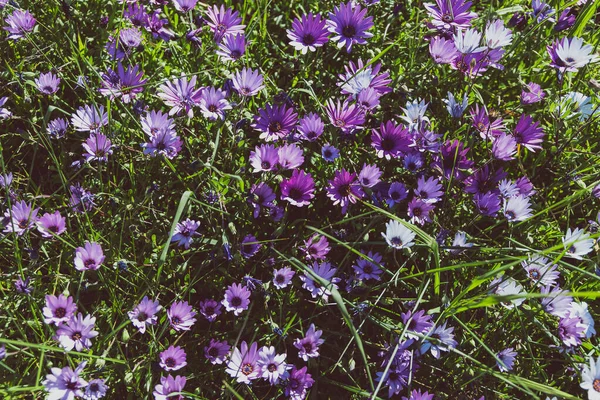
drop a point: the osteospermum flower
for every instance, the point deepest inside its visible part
(299, 189)
(180, 95)
(442, 51)
(344, 189)
(47, 83)
(396, 193)
(275, 122)
(243, 364)
(249, 246)
(283, 277)
(20, 218)
(541, 271)
(532, 93)
(316, 247)
(528, 133)
(237, 299)
(216, 352)
(366, 269)
(502, 286)
(77, 333)
(329, 153)
(57, 128)
(210, 309)
(144, 314)
(290, 156)
(298, 383)
(165, 142)
(97, 147)
(577, 243)
(89, 118)
(360, 77)
(416, 323)
(130, 37)
(571, 331)
(590, 379)
(456, 109)
(272, 365)
(369, 175)
(184, 233)
(58, 310)
(173, 358)
(20, 23)
(181, 316)
(261, 195)
(232, 47)
(452, 160)
(308, 346)
(487, 128)
(439, 338)
(224, 22)
(391, 140)
(570, 54)
(125, 84)
(88, 257)
(504, 147)
(429, 190)
(310, 127)
(505, 359)
(448, 14)
(580, 310)
(497, 35)
(418, 395)
(213, 103)
(397, 235)
(556, 302)
(468, 41)
(349, 24)
(326, 272)
(419, 211)
(248, 82)
(96, 389)
(517, 208)
(156, 121)
(168, 385)
(308, 33)
(50, 225)
(264, 158)
(65, 383)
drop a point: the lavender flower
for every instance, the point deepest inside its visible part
(504, 147)
(59, 309)
(487, 204)
(316, 247)
(439, 338)
(181, 316)
(96, 389)
(184, 5)
(89, 119)
(224, 22)
(366, 269)
(50, 225)
(180, 95)
(590, 378)
(308, 346)
(369, 175)
(557, 302)
(541, 271)
(47, 83)
(497, 35)
(442, 51)
(532, 94)
(456, 109)
(243, 364)
(419, 211)
(169, 385)
(570, 54)
(299, 189)
(416, 323)
(173, 358)
(249, 246)
(418, 395)
(248, 82)
(349, 25)
(65, 383)
(396, 193)
(165, 142)
(272, 365)
(20, 23)
(450, 14)
(232, 47)
(261, 195)
(144, 314)
(275, 122)
(528, 133)
(324, 271)
(282, 278)
(329, 153)
(88, 257)
(505, 359)
(77, 333)
(571, 331)
(130, 37)
(311, 127)
(344, 190)
(57, 128)
(81, 200)
(391, 140)
(345, 116)
(21, 218)
(290, 156)
(216, 351)
(502, 286)
(98, 147)
(23, 286)
(184, 233)
(308, 33)
(298, 383)
(237, 299)
(125, 84)
(210, 309)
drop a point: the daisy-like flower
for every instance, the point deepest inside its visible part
(130, 37)
(414, 114)
(184, 5)
(261, 195)
(185, 232)
(65, 384)
(577, 243)
(173, 358)
(326, 272)
(344, 189)
(506, 359)
(156, 121)
(590, 379)
(541, 271)
(4, 112)
(308, 33)
(282, 278)
(366, 269)
(442, 51)
(503, 286)
(210, 309)
(237, 299)
(77, 333)
(532, 93)
(20, 23)
(460, 242)
(88, 257)
(418, 322)
(180, 95)
(345, 116)
(272, 365)
(249, 246)
(290, 156)
(97, 148)
(96, 389)
(456, 109)
(50, 225)
(224, 22)
(264, 158)
(316, 247)
(396, 193)
(574, 103)
(369, 175)
(571, 331)
(243, 364)
(299, 189)
(57, 128)
(349, 25)
(23, 286)
(528, 133)
(213, 103)
(517, 208)
(20, 218)
(487, 204)
(47, 83)
(580, 310)
(275, 122)
(308, 346)
(144, 314)
(248, 82)
(89, 118)
(439, 339)
(181, 316)
(329, 152)
(504, 147)
(557, 302)
(487, 128)
(169, 385)
(165, 142)
(216, 352)
(468, 41)
(59, 309)
(81, 200)
(419, 211)
(449, 14)
(310, 127)
(430, 190)
(497, 35)
(360, 77)
(570, 54)
(397, 235)
(391, 140)
(298, 383)
(125, 83)
(232, 47)
(418, 395)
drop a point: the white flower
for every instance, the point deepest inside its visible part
(577, 103)
(581, 311)
(590, 379)
(397, 235)
(577, 243)
(467, 42)
(517, 208)
(497, 35)
(505, 287)
(574, 53)
(460, 240)
(414, 114)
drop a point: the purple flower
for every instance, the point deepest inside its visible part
(77, 333)
(418, 395)
(505, 359)
(96, 389)
(59, 309)
(290, 156)
(20, 23)
(248, 82)
(344, 189)
(571, 331)
(346, 116)
(416, 323)
(232, 47)
(165, 142)
(173, 358)
(497, 35)
(391, 140)
(184, 233)
(264, 158)
(181, 316)
(368, 99)
(442, 51)
(316, 247)
(369, 175)
(528, 133)
(311, 127)
(329, 153)
(237, 299)
(439, 339)
(557, 302)
(360, 77)
(308, 33)
(89, 118)
(184, 5)
(154, 122)
(169, 385)
(216, 351)
(449, 14)
(4, 112)
(481, 121)
(23, 286)
(368, 268)
(484, 180)
(47, 83)
(249, 246)
(144, 314)
(21, 218)
(282, 278)
(275, 122)
(566, 20)
(98, 147)
(326, 272)
(156, 25)
(243, 364)
(455, 108)
(130, 37)
(298, 383)
(125, 83)
(517, 208)
(525, 187)
(88, 257)
(349, 25)
(396, 193)
(419, 210)
(308, 346)
(81, 200)
(180, 95)
(504, 147)
(430, 190)
(299, 189)
(570, 54)
(57, 128)
(541, 10)
(65, 384)
(487, 204)
(50, 225)
(532, 93)
(452, 160)
(6, 180)
(224, 22)
(261, 195)
(272, 365)
(210, 309)
(541, 271)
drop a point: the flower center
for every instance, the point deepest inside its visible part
(247, 369)
(212, 108)
(72, 385)
(534, 274)
(272, 367)
(213, 352)
(396, 241)
(367, 269)
(175, 320)
(265, 165)
(210, 310)
(308, 39)
(142, 316)
(345, 190)
(60, 312)
(275, 126)
(279, 279)
(596, 385)
(89, 263)
(307, 347)
(236, 301)
(23, 223)
(94, 387)
(295, 194)
(340, 123)
(76, 336)
(387, 144)
(170, 362)
(510, 215)
(447, 18)
(349, 31)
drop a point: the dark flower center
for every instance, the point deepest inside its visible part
(569, 60)
(265, 165)
(367, 269)
(395, 196)
(89, 263)
(387, 144)
(161, 146)
(170, 362)
(142, 316)
(417, 211)
(510, 215)
(311, 135)
(47, 88)
(307, 347)
(175, 320)
(23, 223)
(213, 352)
(236, 301)
(275, 126)
(294, 384)
(393, 376)
(327, 153)
(53, 228)
(340, 123)
(571, 250)
(60, 312)
(447, 18)
(212, 108)
(411, 166)
(221, 28)
(280, 279)
(209, 310)
(534, 274)
(345, 190)
(235, 54)
(349, 31)
(247, 369)
(244, 91)
(94, 387)
(308, 39)
(596, 385)
(366, 181)
(295, 194)
(272, 367)
(72, 385)
(76, 336)
(396, 241)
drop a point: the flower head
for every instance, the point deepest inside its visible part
(184, 232)
(505, 359)
(366, 269)
(283, 277)
(517, 208)
(310, 127)
(173, 358)
(224, 22)
(541, 271)
(299, 189)
(577, 243)
(308, 346)
(232, 47)
(324, 271)
(216, 352)
(169, 385)
(345, 116)
(77, 333)
(439, 338)
(89, 118)
(275, 122)
(21, 218)
(59, 309)
(272, 365)
(570, 54)
(65, 383)
(97, 147)
(210, 309)
(590, 378)
(181, 316)
(88, 257)
(532, 93)
(243, 364)
(344, 189)
(144, 314)
(20, 23)
(391, 140)
(237, 298)
(248, 82)
(308, 33)
(397, 235)
(51, 225)
(447, 15)
(47, 83)
(180, 95)
(349, 24)
(96, 389)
